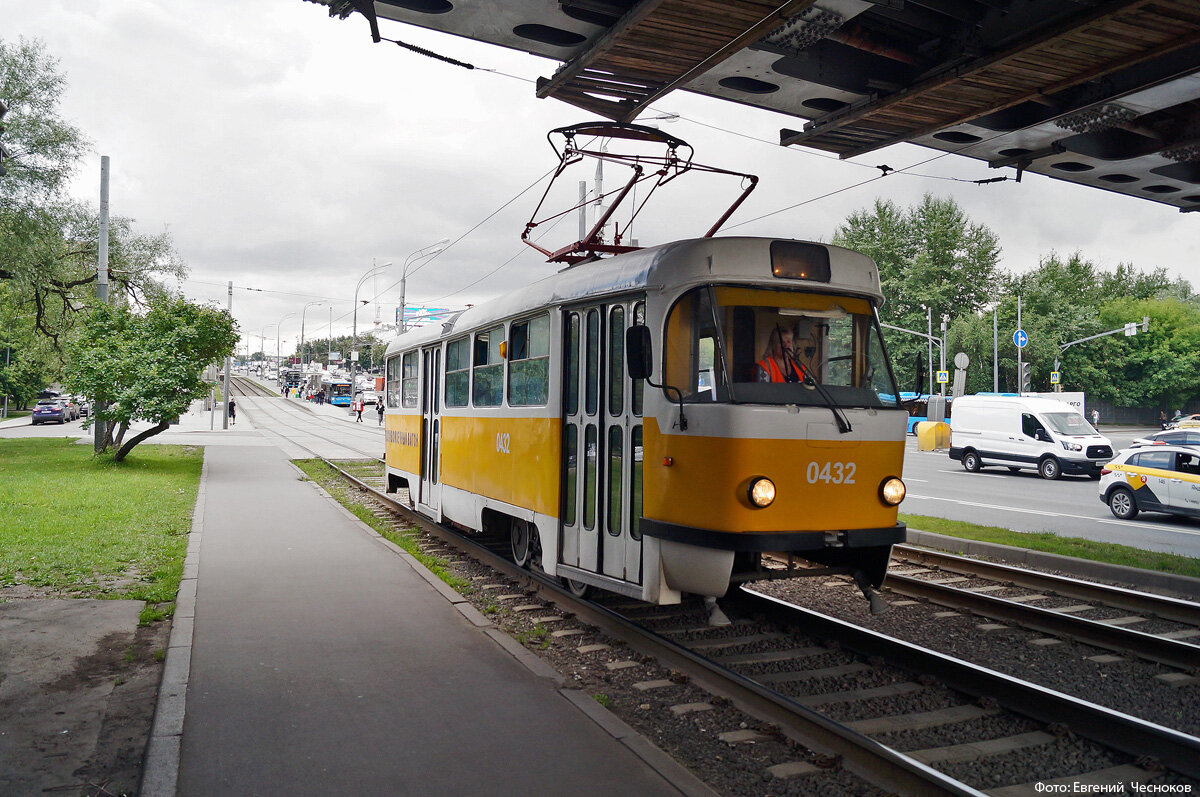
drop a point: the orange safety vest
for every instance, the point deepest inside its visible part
(777, 375)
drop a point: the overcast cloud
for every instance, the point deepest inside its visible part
(287, 152)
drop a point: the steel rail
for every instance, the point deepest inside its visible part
(1175, 609)
(870, 760)
(1175, 750)
(1172, 652)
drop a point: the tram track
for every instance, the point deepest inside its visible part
(773, 657)
(1176, 645)
(300, 419)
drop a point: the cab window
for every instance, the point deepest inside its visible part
(754, 345)
(1187, 463)
(1032, 427)
(1159, 460)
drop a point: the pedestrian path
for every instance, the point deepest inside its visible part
(318, 660)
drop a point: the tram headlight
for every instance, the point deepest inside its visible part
(892, 491)
(762, 491)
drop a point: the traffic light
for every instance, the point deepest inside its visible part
(1024, 378)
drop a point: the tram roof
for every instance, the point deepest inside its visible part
(676, 266)
(1104, 93)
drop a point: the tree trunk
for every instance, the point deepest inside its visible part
(125, 449)
(120, 434)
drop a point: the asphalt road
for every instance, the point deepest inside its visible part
(1070, 507)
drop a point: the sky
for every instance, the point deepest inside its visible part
(287, 153)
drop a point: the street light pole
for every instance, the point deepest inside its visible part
(372, 271)
(278, 329)
(303, 364)
(419, 254)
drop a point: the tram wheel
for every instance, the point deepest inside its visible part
(519, 537)
(578, 588)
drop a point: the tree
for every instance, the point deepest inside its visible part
(147, 367)
(929, 256)
(48, 243)
(45, 148)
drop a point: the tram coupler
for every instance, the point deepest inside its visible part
(716, 617)
(878, 604)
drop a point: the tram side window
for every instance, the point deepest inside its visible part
(393, 382)
(409, 376)
(529, 362)
(458, 373)
(487, 376)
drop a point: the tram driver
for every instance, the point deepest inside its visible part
(779, 362)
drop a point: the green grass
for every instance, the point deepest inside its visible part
(1065, 546)
(341, 490)
(88, 527)
(17, 414)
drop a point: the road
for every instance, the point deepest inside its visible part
(1023, 501)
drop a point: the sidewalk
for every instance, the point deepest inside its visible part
(317, 658)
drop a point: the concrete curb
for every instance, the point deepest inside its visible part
(160, 771)
(671, 771)
(1148, 580)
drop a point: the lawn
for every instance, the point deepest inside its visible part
(73, 524)
(1066, 546)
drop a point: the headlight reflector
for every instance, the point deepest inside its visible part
(762, 491)
(892, 491)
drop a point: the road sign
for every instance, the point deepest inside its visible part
(961, 360)
(943, 377)
(1054, 377)
(1020, 338)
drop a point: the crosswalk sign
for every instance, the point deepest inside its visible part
(943, 377)
(1054, 377)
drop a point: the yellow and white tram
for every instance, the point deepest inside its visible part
(521, 416)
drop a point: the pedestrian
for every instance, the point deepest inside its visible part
(1095, 417)
(358, 408)
(379, 409)
(1162, 419)
(232, 411)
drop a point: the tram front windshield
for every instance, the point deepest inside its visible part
(758, 346)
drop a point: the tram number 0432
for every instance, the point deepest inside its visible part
(831, 472)
(502, 442)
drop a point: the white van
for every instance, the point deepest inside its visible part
(1025, 432)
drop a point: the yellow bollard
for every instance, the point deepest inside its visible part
(933, 436)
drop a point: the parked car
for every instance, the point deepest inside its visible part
(72, 407)
(1152, 479)
(50, 410)
(1171, 437)
(1186, 422)
(85, 406)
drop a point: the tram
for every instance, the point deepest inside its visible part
(338, 391)
(613, 420)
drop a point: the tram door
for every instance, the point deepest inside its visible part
(431, 369)
(601, 444)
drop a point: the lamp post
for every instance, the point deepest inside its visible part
(303, 364)
(262, 346)
(371, 272)
(420, 254)
(278, 329)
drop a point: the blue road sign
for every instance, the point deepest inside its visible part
(1020, 338)
(943, 377)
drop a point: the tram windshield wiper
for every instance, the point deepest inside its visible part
(843, 422)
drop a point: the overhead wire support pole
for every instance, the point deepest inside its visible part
(228, 367)
(100, 426)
